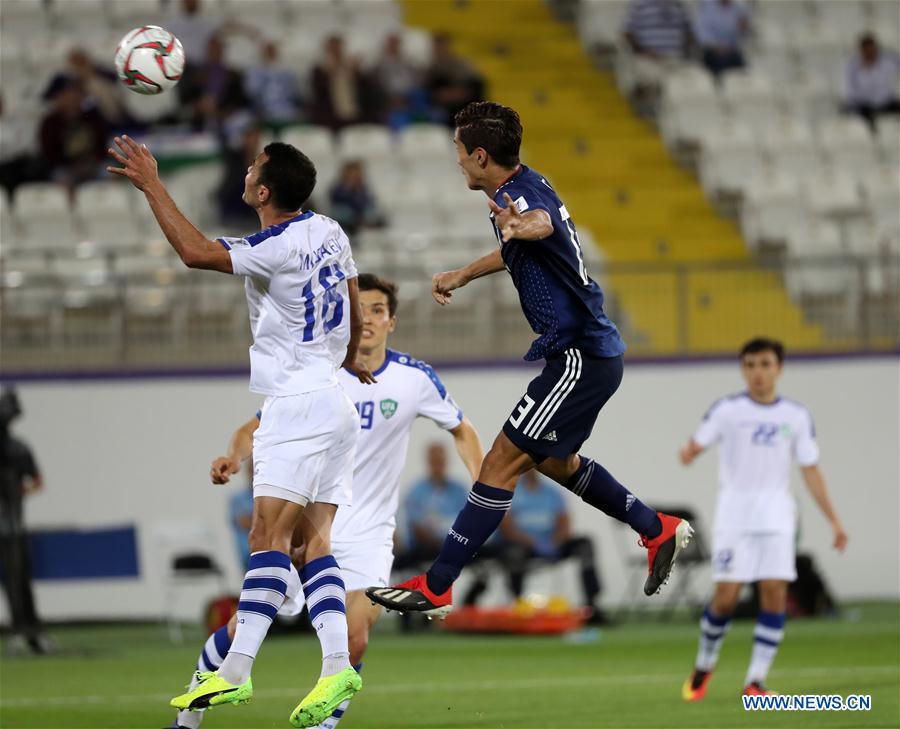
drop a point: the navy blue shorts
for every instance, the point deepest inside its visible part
(557, 414)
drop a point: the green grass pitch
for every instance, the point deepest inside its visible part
(123, 676)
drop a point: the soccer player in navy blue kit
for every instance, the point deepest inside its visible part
(582, 350)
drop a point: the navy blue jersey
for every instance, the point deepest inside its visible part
(563, 305)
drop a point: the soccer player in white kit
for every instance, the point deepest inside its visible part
(362, 534)
(759, 435)
(302, 295)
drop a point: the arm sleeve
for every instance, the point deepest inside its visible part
(348, 265)
(435, 402)
(260, 260)
(710, 428)
(806, 449)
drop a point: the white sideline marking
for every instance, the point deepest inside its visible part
(512, 684)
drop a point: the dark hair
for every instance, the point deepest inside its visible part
(371, 282)
(289, 174)
(495, 128)
(764, 344)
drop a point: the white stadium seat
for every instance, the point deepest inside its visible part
(848, 143)
(749, 95)
(106, 212)
(730, 156)
(423, 140)
(315, 142)
(774, 206)
(44, 215)
(364, 141)
(833, 193)
(600, 22)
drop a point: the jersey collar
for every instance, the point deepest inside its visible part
(516, 172)
(277, 229)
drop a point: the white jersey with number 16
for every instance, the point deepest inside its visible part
(296, 283)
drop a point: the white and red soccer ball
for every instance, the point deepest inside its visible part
(149, 60)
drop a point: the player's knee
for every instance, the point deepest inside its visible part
(259, 537)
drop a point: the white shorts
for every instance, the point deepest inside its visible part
(305, 447)
(363, 564)
(745, 558)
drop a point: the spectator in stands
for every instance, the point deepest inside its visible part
(19, 477)
(211, 90)
(338, 93)
(451, 81)
(72, 137)
(720, 27)
(352, 202)
(658, 29)
(431, 507)
(240, 141)
(659, 33)
(18, 161)
(273, 88)
(100, 85)
(400, 82)
(872, 79)
(240, 513)
(194, 30)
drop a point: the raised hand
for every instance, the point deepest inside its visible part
(138, 165)
(508, 219)
(442, 284)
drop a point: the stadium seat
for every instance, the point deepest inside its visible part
(44, 216)
(377, 16)
(365, 141)
(730, 155)
(807, 96)
(848, 143)
(833, 193)
(749, 95)
(417, 45)
(105, 212)
(24, 19)
(317, 143)
(150, 108)
(789, 144)
(321, 17)
(425, 140)
(690, 106)
(135, 13)
(773, 206)
(76, 17)
(889, 140)
(600, 22)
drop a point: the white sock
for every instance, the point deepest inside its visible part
(263, 592)
(767, 637)
(214, 651)
(325, 599)
(712, 634)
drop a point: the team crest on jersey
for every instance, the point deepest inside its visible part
(388, 408)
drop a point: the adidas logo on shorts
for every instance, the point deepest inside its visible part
(550, 436)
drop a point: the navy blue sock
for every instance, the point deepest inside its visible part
(478, 519)
(597, 487)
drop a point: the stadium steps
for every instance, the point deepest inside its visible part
(619, 182)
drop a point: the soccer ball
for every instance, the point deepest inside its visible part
(149, 60)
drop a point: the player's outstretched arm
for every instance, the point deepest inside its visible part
(690, 452)
(531, 225)
(815, 482)
(442, 284)
(240, 448)
(356, 326)
(139, 166)
(468, 445)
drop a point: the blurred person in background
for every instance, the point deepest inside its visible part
(240, 516)
(451, 80)
(431, 506)
(240, 141)
(193, 29)
(400, 82)
(273, 89)
(872, 79)
(338, 97)
(211, 89)
(352, 202)
(18, 161)
(659, 33)
(100, 86)
(538, 528)
(19, 477)
(72, 134)
(721, 26)
(760, 434)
